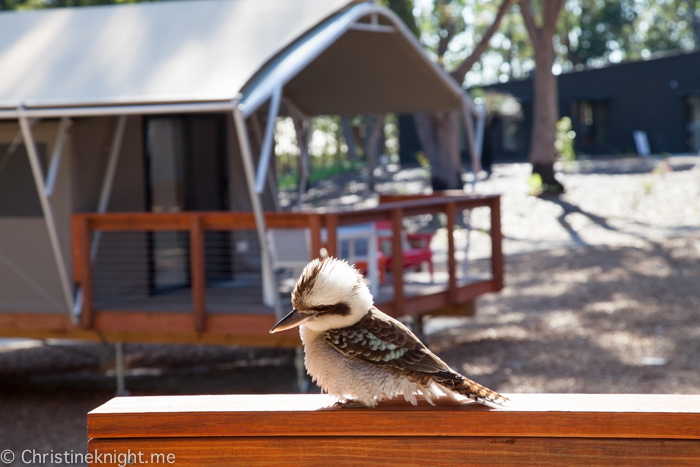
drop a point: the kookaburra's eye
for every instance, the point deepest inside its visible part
(321, 308)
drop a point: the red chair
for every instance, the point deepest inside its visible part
(415, 246)
(361, 266)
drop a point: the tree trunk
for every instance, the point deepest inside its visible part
(543, 155)
(349, 139)
(546, 106)
(374, 131)
(439, 132)
(302, 130)
(439, 135)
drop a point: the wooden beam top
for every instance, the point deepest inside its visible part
(533, 415)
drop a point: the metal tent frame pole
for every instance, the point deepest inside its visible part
(55, 163)
(476, 139)
(37, 173)
(108, 181)
(103, 203)
(270, 290)
(268, 140)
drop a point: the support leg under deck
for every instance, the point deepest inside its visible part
(119, 373)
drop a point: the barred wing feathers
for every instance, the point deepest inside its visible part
(381, 340)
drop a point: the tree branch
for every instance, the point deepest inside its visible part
(550, 14)
(529, 20)
(445, 41)
(469, 62)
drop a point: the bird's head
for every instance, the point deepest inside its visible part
(329, 294)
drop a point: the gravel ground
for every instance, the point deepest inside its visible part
(602, 295)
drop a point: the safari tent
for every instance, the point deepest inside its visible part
(136, 150)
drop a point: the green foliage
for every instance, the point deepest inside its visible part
(40, 4)
(328, 151)
(291, 178)
(536, 185)
(322, 173)
(662, 168)
(441, 25)
(404, 10)
(391, 137)
(595, 32)
(450, 29)
(564, 144)
(590, 33)
(423, 160)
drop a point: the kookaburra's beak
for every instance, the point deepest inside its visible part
(292, 320)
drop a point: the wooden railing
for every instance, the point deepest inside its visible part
(305, 430)
(196, 223)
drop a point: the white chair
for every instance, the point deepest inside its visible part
(289, 248)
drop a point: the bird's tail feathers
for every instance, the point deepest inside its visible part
(475, 391)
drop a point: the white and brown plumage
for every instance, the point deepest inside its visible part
(361, 355)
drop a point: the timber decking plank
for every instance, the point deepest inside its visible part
(531, 415)
(418, 451)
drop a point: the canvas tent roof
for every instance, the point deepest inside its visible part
(212, 50)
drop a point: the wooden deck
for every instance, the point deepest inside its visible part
(305, 430)
(234, 313)
(246, 300)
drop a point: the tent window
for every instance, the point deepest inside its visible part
(18, 195)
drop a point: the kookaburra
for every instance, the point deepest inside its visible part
(361, 355)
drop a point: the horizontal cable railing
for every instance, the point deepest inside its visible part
(209, 263)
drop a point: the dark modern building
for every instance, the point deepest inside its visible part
(660, 97)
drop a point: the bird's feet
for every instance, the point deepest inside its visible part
(349, 404)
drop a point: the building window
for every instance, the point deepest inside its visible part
(591, 122)
(511, 140)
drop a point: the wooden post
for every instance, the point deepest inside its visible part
(496, 243)
(451, 211)
(82, 270)
(332, 230)
(397, 259)
(315, 226)
(198, 273)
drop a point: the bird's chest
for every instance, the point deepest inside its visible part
(334, 372)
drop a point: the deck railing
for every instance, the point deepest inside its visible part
(198, 223)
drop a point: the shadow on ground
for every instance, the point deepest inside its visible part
(597, 319)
